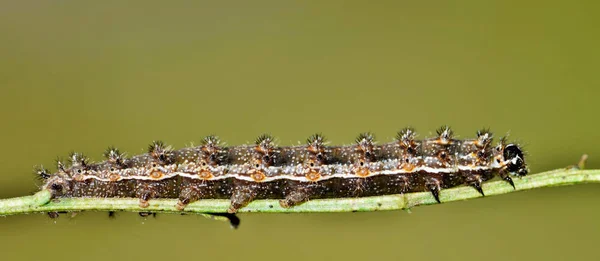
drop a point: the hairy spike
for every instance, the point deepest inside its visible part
(265, 143)
(484, 132)
(210, 140)
(365, 137)
(41, 172)
(78, 159)
(161, 152)
(503, 141)
(264, 140)
(113, 155)
(60, 165)
(406, 135)
(316, 139)
(445, 133)
(157, 147)
(484, 137)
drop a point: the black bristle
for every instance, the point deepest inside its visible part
(159, 151)
(503, 141)
(406, 135)
(210, 140)
(316, 139)
(113, 155)
(483, 132)
(264, 140)
(485, 136)
(78, 159)
(41, 172)
(365, 137)
(60, 165)
(156, 147)
(445, 132)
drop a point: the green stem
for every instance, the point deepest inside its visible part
(40, 202)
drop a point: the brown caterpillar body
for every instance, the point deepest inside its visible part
(293, 174)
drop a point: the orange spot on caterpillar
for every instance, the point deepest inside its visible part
(205, 174)
(313, 175)
(362, 172)
(114, 177)
(156, 174)
(408, 167)
(258, 176)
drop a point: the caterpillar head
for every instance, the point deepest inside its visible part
(514, 160)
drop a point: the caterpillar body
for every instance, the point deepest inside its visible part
(292, 174)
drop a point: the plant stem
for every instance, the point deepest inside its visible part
(40, 202)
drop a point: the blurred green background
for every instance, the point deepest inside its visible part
(81, 76)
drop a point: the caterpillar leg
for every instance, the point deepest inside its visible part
(194, 190)
(144, 193)
(434, 185)
(241, 197)
(187, 196)
(144, 197)
(506, 177)
(295, 197)
(475, 182)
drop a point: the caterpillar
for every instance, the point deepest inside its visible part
(292, 174)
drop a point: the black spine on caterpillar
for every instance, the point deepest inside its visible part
(41, 173)
(264, 155)
(161, 156)
(79, 163)
(211, 153)
(366, 146)
(410, 149)
(114, 156)
(476, 153)
(161, 152)
(315, 156)
(364, 153)
(441, 151)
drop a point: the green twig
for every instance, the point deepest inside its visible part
(40, 202)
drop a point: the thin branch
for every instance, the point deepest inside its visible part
(40, 202)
